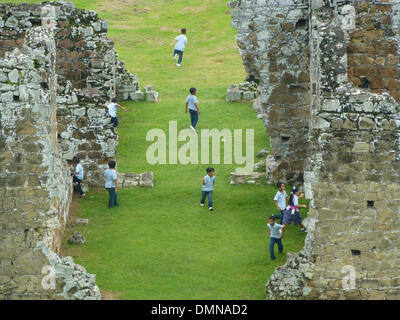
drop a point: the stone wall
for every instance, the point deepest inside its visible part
(372, 54)
(89, 74)
(273, 42)
(35, 187)
(351, 174)
(85, 56)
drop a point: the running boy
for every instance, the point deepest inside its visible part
(280, 199)
(208, 187)
(180, 42)
(292, 214)
(192, 103)
(77, 176)
(112, 184)
(112, 111)
(275, 234)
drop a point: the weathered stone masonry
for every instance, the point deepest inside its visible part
(35, 187)
(273, 42)
(351, 168)
(88, 74)
(54, 86)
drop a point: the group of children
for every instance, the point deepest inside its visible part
(111, 180)
(111, 183)
(287, 215)
(191, 101)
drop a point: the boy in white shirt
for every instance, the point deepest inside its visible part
(112, 111)
(180, 42)
(77, 176)
(280, 199)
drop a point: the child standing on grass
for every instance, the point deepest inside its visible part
(292, 213)
(112, 111)
(112, 184)
(180, 42)
(208, 187)
(280, 200)
(276, 237)
(77, 176)
(192, 104)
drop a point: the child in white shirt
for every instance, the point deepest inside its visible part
(180, 42)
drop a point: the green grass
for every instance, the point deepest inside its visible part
(160, 244)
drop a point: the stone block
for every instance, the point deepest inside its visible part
(131, 180)
(249, 96)
(151, 96)
(77, 238)
(81, 222)
(147, 179)
(137, 96)
(330, 105)
(361, 147)
(233, 95)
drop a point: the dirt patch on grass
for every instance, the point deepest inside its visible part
(193, 9)
(125, 5)
(141, 10)
(105, 295)
(167, 28)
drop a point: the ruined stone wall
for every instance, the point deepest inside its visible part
(273, 42)
(35, 187)
(85, 56)
(372, 54)
(351, 176)
(89, 74)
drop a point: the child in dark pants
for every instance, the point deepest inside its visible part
(192, 104)
(276, 236)
(112, 111)
(112, 184)
(77, 176)
(292, 213)
(208, 187)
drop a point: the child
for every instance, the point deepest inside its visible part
(180, 42)
(77, 176)
(208, 186)
(292, 213)
(112, 111)
(280, 199)
(112, 184)
(192, 103)
(275, 234)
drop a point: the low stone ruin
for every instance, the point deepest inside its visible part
(151, 95)
(247, 177)
(136, 180)
(246, 91)
(77, 238)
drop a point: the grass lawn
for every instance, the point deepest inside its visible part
(160, 244)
